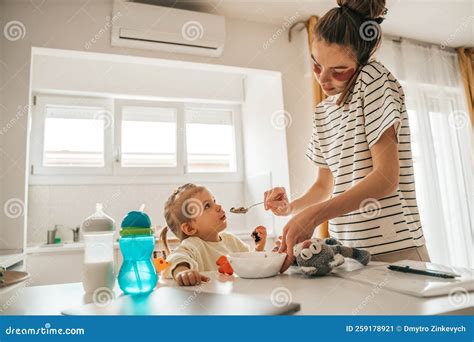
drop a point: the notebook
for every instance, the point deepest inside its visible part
(412, 284)
(175, 301)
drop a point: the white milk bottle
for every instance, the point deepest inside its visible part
(98, 269)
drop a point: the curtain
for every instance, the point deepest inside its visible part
(466, 63)
(322, 230)
(441, 137)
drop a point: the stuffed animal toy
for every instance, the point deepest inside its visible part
(318, 257)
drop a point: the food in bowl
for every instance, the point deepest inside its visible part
(256, 264)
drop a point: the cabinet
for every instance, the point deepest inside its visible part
(58, 267)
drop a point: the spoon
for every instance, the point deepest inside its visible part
(243, 210)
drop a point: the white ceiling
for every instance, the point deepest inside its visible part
(444, 22)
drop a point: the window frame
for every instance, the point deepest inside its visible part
(38, 130)
(121, 170)
(236, 175)
(113, 172)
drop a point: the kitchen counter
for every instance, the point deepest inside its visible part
(330, 295)
(9, 257)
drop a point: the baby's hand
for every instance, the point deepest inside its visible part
(260, 237)
(190, 278)
(276, 248)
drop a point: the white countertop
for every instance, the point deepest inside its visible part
(329, 295)
(10, 257)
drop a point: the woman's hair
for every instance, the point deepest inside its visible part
(179, 209)
(355, 24)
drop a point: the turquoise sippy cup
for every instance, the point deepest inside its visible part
(137, 274)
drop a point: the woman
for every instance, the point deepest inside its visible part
(360, 145)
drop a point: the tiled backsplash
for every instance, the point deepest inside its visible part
(69, 205)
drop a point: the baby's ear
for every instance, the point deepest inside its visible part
(187, 229)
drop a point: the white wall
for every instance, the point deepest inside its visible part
(131, 79)
(69, 205)
(73, 24)
(265, 149)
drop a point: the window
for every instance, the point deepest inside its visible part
(440, 136)
(210, 141)
(158, 141)
(73, 136)
(148, 137)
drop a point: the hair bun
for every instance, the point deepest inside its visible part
(367, 8)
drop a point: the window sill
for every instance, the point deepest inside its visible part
(133, 179)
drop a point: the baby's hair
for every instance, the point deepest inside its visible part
(177, 212)
(355, 24)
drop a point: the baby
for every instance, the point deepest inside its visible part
(193, 215)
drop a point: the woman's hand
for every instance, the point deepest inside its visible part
(277, 201)
(276, 248)
(187, 277)
(300, 228)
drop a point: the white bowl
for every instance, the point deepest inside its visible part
(256, 264)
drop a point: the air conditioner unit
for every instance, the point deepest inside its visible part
(143, 26)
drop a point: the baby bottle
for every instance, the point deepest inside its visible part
(98, 268)
(137, 274)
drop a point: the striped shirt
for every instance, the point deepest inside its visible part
(341, 141)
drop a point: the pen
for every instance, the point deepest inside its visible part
(408, 269)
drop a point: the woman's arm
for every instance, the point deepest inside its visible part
(318, 192)
(277, 201)
(382, 180)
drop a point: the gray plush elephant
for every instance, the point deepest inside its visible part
(318, 257)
